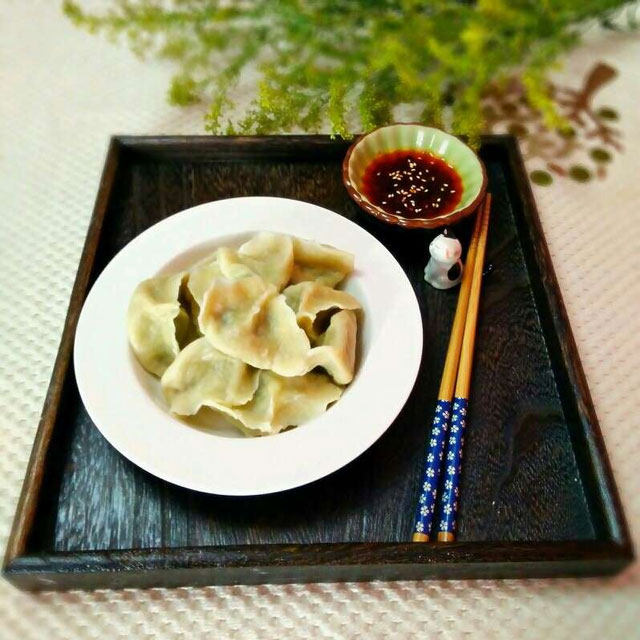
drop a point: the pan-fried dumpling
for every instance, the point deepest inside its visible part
(312, 302)
(202, 375)
(270, 255)
(281, 402)
(247, 319)
(151, 322)
(313, 261)
(337, 350)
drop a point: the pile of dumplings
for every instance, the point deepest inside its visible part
(258, 333)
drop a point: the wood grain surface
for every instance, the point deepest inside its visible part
(535, 478)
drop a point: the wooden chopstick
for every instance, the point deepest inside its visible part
(428, 490)
(448, 501)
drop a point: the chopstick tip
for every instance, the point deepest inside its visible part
(420, 537)
(446, 536)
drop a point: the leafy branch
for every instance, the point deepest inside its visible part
(349, 62)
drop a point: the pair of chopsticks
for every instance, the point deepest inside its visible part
(451, 408)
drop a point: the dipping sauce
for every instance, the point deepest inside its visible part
(412, 184)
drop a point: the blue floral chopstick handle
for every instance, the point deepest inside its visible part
(435, 453)
(448, 503)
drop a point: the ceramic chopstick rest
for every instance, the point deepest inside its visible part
(444, 269)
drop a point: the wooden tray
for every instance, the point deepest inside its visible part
(538, 497)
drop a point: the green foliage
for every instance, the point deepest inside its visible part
(348, 62)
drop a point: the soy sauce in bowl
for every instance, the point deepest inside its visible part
(412, 184)
(414, 176)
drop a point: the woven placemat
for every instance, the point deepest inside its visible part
(63, 93)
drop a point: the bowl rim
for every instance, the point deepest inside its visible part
(390, 218)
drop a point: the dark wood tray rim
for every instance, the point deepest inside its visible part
(201, 566)
(324, 562)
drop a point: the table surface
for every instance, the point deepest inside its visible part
(63, 94)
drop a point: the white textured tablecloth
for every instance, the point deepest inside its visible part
(62, 93)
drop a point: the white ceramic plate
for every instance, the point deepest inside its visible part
(125, 402)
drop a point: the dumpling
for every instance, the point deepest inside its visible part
(201, 276)
(281, 402)
(313, 261)
(230, 340)
(151, 322)
(336, 352)
(202, 375)
(310, 299)
(222, 263)
(270, 255)
(247, 319)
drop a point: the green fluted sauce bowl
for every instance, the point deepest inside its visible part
(415, 137)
